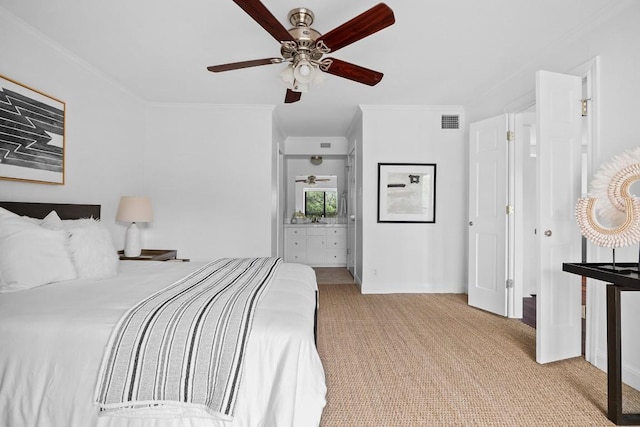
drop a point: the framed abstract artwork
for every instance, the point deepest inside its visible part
(407, 192)
(32, 133)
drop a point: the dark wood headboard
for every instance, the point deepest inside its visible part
(64, 210)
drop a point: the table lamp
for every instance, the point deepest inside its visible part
(134, 209)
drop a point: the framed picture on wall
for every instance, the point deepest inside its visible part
(32, 130)
(407, 192)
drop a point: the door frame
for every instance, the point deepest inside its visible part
(590, 72)
(351, 212)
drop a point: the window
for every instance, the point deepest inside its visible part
(320, 203)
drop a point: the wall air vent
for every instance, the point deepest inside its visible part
(325, 145)
(450, 122)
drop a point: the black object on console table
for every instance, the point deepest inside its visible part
(151, 255)
(627, 279)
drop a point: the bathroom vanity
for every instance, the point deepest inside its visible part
(317, 245)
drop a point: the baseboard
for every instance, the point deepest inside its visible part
(630, 374)
(358, 280)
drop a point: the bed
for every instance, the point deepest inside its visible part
(55, 339)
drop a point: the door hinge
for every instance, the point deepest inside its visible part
(509, 209)
(585, 107)
(509, 283)
(510, 136)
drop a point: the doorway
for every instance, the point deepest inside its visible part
(544, 233)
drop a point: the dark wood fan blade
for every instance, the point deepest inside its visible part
(373, 20)
(292, 96)
(243, 64)
(260, 14)
(354, 72)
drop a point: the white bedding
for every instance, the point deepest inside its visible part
(52, 339)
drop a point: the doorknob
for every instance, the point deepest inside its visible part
(548, 233)
(470, 223)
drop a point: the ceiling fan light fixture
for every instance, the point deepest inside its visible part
(300, 87)
(304, 71)
(297, 82)
(316, 160)
(287, 76)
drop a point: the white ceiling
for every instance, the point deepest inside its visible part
(437, 52)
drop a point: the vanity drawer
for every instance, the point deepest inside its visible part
(296, 255)
(336, 256)
(295, 238)
(293, 232)
(336, 238)
(336, 242)
(296, 242)
(337, 231)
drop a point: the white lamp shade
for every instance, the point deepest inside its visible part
(287, 76)
(302, 77)
(134, 209)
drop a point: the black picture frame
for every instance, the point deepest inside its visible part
(407, 192)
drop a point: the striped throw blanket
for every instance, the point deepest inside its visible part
(184, 345)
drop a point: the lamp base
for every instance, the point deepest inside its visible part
(132, 241)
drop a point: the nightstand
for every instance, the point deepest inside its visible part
(154, 255)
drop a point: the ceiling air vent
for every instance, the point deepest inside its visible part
(450, 122)
(325, 145)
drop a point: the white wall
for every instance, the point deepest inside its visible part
(208, 170)
(313, 145)
(414, 257)
(618, 47)
(103, 124)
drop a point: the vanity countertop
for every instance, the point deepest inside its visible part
(314, 224)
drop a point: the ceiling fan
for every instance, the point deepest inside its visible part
(312, 179)
(303, 47)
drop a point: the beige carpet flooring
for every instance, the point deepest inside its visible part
(333, 275)
(431, 360)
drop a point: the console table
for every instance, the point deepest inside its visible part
(624, 277)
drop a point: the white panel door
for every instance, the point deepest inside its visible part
(488, 199)
(558, 116)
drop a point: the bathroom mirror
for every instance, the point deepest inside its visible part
(316, 195)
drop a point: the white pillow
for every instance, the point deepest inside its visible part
(33, 256)
(52, 221)
(91, 249)
(5, 213)
(10, 223)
